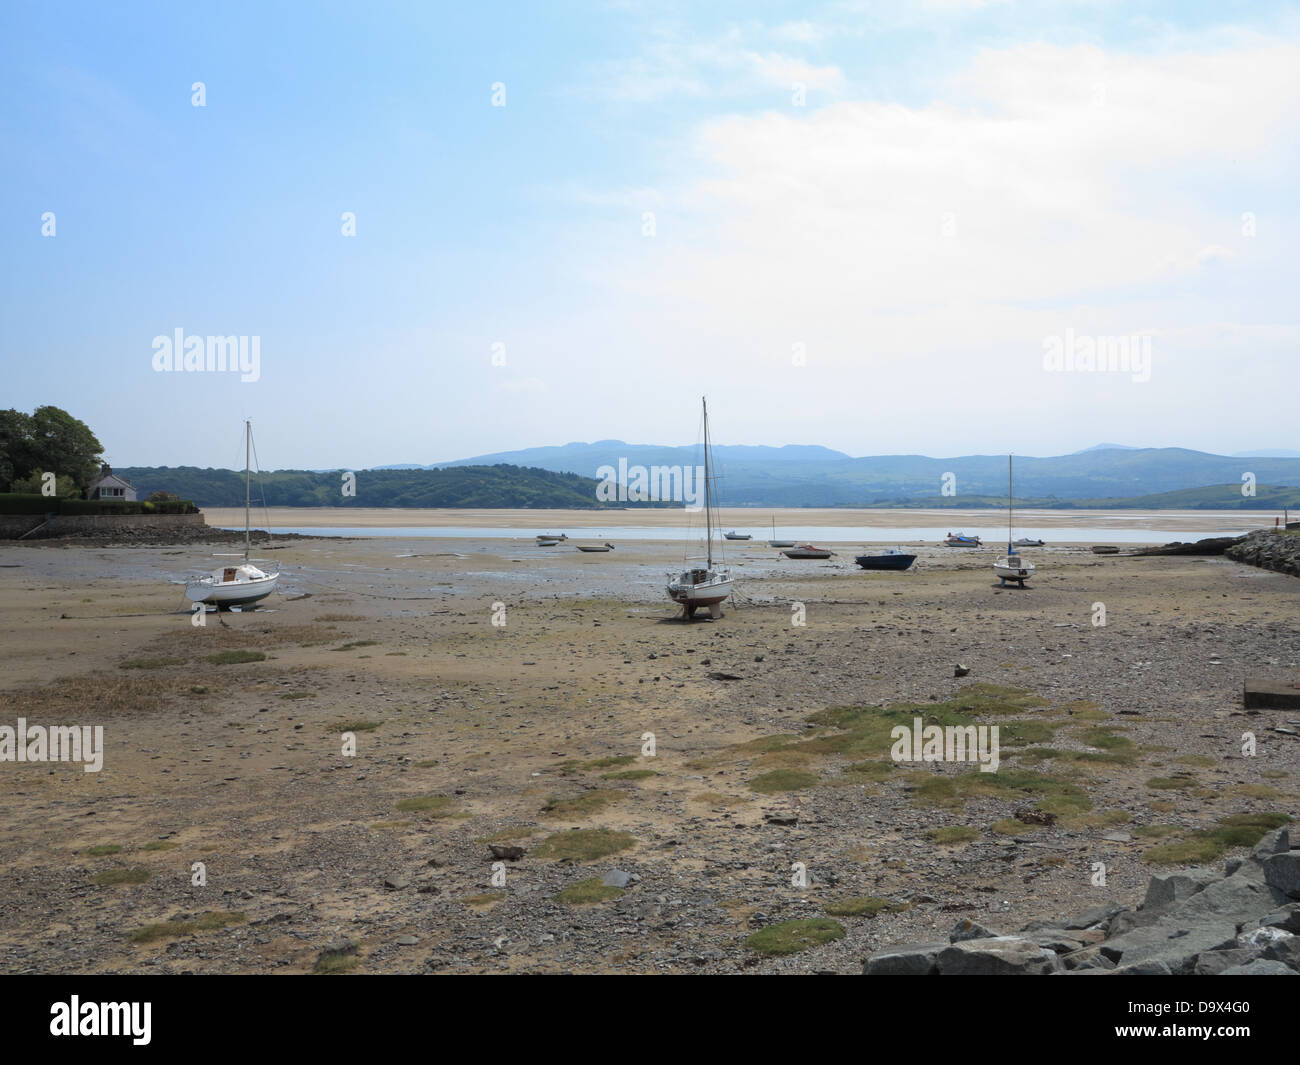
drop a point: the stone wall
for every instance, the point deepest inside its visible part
(117, 526)
(1268, 550)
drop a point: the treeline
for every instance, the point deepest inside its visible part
(497, 487)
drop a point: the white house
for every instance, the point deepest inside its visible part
(109, 486)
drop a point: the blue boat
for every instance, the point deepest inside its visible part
(890, 558)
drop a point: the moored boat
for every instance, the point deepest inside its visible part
(961, 540)
(891, 558)
(733, 535)
(240, 585)
(1012, 567)
(808, 551)
(706, 586)
(594, 547)
(1028, 541)
(774, 542)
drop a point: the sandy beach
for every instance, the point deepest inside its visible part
(501, 695)
(733, 517)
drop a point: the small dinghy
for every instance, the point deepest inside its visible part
(595, 547)
(549, 540)
(1028, 541)
(892, 558)
(807, 551)
(961, 540)
(1104, 549)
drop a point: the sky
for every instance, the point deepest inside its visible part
(877, 227)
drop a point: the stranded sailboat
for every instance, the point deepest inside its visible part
(235, 585)
(1013, 567)
(709, 585)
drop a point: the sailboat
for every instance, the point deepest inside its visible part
(239, 585)
(774, 542)
(709, 585)
(1013, 567)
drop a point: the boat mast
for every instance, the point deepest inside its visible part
(1011, 505)
(708, 501)
(248, 437)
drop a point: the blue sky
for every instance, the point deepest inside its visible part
(875, 266)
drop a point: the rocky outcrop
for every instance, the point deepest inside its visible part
(1268, 550)
(1215, 545)
(1241, 920)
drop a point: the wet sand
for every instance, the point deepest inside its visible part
(516, 684)
(558, 521)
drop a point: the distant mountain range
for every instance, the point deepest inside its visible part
(812, 476)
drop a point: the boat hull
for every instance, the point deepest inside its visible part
(890, 562)
(1007, 569)
(780, 543)
(803, 552)
(231, 593)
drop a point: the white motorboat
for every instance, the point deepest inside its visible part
(594, 547)
(706, 586)
(239, 585)
(733, 535)
(1028, 541)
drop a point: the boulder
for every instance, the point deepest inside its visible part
(968, 929)
(906, 959)
(1259, 967)
(1165, 889)
(1282, 871)
(998, 956)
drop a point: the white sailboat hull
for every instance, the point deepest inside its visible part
(1013, 568)
(247, 585)
(696, 588)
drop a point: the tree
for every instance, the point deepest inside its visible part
(163, 496)
(57, 441)
(15, 446)
(64, 486)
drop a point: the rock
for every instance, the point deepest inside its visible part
(1282, 871)
(1287, 951)
(968, 929)
(1150, 967)
(396, 883)
(1088, 960)
(1213, 962)
(906, 959)
(1259, 967)
(1092, 917)
(1262, 937)
(1170, 942)
(1276, 842)
(1116, 836)
(997, 956)
(507, 854)
(1287, 918)
(960, 670)
(616, 878)
(785, 817)
(1165, 889)
(1057, 941)
(407, 941)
